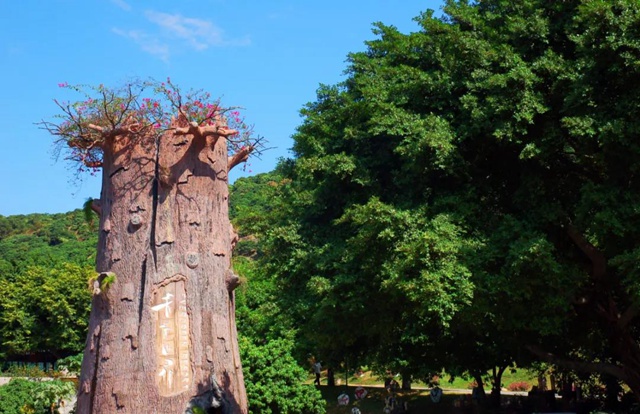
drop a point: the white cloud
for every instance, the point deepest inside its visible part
(173, 32)
(199, 34)
(147, 43)
(122, 4)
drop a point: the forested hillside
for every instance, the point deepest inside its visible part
(46, 261)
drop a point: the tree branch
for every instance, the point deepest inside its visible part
(204, 131)
(234, 236)
(215, 130)
(132, 128)
(96, 128)
(628, 316)
(96, 206)
(92, 164)
(582, 366)
(238, 157)
(593, 253)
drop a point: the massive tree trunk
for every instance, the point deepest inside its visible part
(162, 334)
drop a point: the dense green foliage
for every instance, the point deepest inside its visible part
(45, 264)
(275, 382)
(51, 393)
(17, 394)
(274, 379)
(253, 207)
(470, 191)
(45, 309)
(21, 396)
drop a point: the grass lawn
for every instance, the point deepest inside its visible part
(453, 402)
(419, 401)
(368, 379)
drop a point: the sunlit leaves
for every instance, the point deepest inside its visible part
(416, 258)
(275, 383)
(55, 301)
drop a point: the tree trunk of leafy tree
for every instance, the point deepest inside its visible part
(496, 378)
(406, 380)
(162, 333)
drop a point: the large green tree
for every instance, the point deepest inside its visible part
(487, 164)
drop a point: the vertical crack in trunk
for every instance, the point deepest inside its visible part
(154, 203)
(152, 235)
(143, 283)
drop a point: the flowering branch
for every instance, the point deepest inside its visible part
(87, 125)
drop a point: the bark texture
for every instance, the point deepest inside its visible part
(162, 335)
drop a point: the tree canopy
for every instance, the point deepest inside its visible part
(477, 177)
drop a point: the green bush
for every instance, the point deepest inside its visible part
(17, 395)
(275, 382)
(71, 364)
(21, 396)
(49, 393)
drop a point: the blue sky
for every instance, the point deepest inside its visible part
(268, 57)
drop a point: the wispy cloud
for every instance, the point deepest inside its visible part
(198, 33)
(147, 43)
(174, 32)
(122, 4)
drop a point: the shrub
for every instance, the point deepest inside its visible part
(49, 393)
(21, 396)
(71, 364)
(17, 395)
(519, 386)
(275, 382)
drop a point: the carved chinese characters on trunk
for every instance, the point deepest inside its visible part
(172, 338)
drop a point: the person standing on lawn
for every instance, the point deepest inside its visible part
(317, 369)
